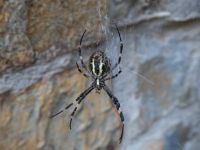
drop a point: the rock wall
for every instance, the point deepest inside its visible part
(158, 89)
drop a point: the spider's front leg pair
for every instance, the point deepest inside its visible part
(75, 103)
(83, 95)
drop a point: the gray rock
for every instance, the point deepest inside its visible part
(161, 42)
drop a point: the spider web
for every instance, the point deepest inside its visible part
(112, 45)
(112, 50)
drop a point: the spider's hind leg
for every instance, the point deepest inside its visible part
(80, 52)
(114, 76)
(121, 49)
(81, 71)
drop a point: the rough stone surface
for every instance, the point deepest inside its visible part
(161, 41)
(25, 122)
(158, 89)
(33, 30)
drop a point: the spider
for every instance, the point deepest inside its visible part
(98, 69)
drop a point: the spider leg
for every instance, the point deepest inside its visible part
(79, 69)
(79, 100)
(121, 49)
(81, 58)
(68, 106)
(80, 54)
(76, 103)
(117, 105)
(114, 76)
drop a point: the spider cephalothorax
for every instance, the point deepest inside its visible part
(98, 69)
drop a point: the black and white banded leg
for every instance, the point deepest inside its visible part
(80, 52)
(114, 76)
(75, 103)
(117, 105)
(81, 71)
(121, 49)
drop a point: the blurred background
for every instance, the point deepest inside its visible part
(158, 89)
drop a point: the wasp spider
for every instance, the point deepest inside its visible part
(98, 69)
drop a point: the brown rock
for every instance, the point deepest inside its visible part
(29, 28)
(25, 122)
(63, 22)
